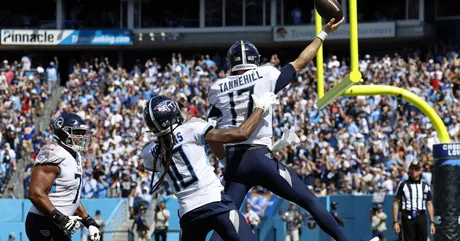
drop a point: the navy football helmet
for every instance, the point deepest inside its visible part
(243, 55)
(71, 131)
(160, 114)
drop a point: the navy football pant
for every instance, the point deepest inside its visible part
(41, 228)
(250, 165)
(222, 217)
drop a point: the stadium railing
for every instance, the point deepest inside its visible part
(120, 214)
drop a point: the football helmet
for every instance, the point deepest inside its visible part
(243, 55)
(71, 131)
(160, 114)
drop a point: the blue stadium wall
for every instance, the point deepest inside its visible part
(354, 210)
(13, 213)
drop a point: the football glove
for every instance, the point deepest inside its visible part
(212, 122)
(94, 233)
(69, 224)
(93, 228)
(289, 137)
(265, 101)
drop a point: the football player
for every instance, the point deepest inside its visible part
(179, 154)
(251, 162)
(55, 185)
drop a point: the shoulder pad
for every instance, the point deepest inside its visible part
(48, 155)
(195, 120)
(268, 64)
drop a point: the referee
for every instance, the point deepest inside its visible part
(415, 197)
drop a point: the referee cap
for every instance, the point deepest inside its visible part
(415, 165)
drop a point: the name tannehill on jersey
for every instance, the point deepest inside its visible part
(240, 81)
(65, 192)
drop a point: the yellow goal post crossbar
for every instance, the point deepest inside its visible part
(345, 87)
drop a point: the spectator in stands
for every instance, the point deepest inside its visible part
(127, 186)
(11, 193)
(335, 214)
(293, 220)
(296, 15)
(142, 228)
(146, 197)
(378, 226)
(252, 218)
(51, 73)
(161, 222)
(28, 132)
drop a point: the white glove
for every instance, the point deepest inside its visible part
(94, 233)
(212, 122)
(266, 101)
(289, 137)
(72, 225)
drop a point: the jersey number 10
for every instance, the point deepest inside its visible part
(181, 179)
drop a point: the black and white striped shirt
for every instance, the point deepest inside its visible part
(413, 195)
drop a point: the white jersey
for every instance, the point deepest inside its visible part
(231, 96)
(65, 192)
(191, 176)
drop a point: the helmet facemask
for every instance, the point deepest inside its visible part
(78, 139)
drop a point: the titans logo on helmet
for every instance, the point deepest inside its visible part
(59, 122)
(166, 105)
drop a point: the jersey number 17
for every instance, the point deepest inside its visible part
(245, 103)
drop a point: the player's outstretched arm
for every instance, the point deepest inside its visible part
(310, 51)
(244, 131)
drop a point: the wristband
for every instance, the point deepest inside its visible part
(395, 222)
(59, 218)
(322, 35)
(89, 221)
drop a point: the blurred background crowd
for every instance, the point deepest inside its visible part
(23, 94)
(356, 145)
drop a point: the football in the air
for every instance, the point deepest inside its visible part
(329, 9)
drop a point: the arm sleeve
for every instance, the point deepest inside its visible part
(399, 190)
(429, 196)
(47, 156)
(147, 154)
(200, 129)
(286, 76)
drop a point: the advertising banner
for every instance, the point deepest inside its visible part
(446, 190)
(65, 37)
(307, 32)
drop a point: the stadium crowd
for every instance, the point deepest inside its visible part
(23, 93)
(358, 145)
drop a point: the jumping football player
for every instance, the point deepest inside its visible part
(179, 153)
(54, 190)
(251, 163)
